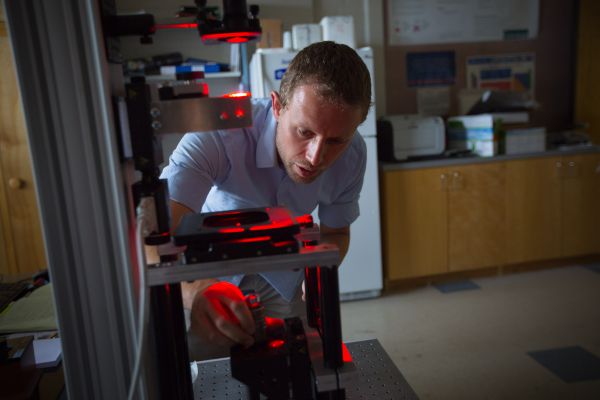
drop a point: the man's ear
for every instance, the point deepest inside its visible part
(276, 104)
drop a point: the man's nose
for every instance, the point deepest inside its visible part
(315, 151)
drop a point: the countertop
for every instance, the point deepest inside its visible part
(466, 160)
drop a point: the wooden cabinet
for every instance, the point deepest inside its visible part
(533, 209)
(442, 219)
(415, 222)
(552, 207)
(21, 244)
(438, 220)
(580, 205)
(476, 217)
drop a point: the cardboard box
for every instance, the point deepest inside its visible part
(473, 132)
(339, 29)
(305, 34)
(272, 34)
(526, 140)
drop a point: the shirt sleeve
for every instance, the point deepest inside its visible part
(344, 209)
(198, 162)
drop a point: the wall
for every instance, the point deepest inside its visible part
(587, 109)
(554, 50)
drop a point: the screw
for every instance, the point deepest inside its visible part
(155, 112)
(156, 125)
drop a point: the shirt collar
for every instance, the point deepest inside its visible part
(266, 152)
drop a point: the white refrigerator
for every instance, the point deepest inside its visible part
(361, 272)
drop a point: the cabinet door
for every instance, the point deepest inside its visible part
(581, 205)
(477, 217)
(533, 204)
(414, 220)
(21, 245)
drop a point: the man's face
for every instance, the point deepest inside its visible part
(312, 132)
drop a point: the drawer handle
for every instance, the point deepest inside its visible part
(16, 183)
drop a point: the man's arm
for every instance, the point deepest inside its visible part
(337, 236)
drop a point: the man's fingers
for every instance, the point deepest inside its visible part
(303, 291)
(206, 330)
(242, 313)
(226, 325)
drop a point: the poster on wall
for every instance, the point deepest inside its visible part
(455, 21)
(514, 72)
(431, 68)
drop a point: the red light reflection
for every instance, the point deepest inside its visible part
(305, 219)
(346, 356)
(231, 230)
(237, 95)
(237, 40)
(176, 26)
(252, 240)
(273, 225)
(284, 243)
(231, 37)
(277, 343)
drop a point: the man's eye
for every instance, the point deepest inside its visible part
(303, 133)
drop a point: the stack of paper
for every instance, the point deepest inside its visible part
(47, 352)
(31, 313)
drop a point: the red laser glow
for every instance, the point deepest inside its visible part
(237, 95)
(231, 37)
(277, 343)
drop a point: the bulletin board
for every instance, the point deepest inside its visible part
(553, 55)
(442, 21)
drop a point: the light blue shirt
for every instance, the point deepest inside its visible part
(239, 168)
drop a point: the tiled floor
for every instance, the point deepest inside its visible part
(533, 335)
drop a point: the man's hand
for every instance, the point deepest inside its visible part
(219, 316)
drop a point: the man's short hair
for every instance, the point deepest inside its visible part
(337, 70)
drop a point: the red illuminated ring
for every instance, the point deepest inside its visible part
(231, 37)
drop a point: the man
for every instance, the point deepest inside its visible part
(301, 152)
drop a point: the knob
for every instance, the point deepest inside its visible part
(444, 181)
(16, 183)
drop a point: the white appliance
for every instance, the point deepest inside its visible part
(361, 271)
(404, 136)
(267, 67)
